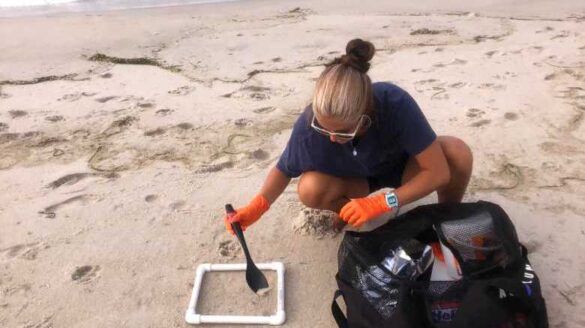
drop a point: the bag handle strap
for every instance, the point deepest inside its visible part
(336, 311)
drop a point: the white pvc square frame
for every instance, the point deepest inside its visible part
(275, 320)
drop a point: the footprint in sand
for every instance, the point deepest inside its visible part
(492, 86)
(50, 212)
(474, 113)
(145, 105)
(229, 248)
(119, 126)
(17, 113)
(457, 85)
(254, 92)
(164, 112)
(551, 76)
(155, 132)
(85, 273)
(105, 99)
(210, 168)
(426, 31)
(571, 92)
(426, 81)
(22, 251)
(254, 88)
(58, 152)
(511, 116)
(8, 137)
(260, 154)
(31, 253)
(243, 122)
(31, 134)
(185, 126)
(259, 96)
(455, 61)
(75, 96)
(489, 54)
(480, 123)
(48, 141)
(71, 179)
(80, 133)
(182, 91)
(3, 126)
(264, 110)
(54, 118)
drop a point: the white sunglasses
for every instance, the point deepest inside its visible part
(340, 135)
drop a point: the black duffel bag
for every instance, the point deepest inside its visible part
(497, 288)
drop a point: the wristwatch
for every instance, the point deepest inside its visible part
(391, 200)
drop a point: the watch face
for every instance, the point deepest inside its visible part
(391, 200)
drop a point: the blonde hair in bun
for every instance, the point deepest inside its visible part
(344, 89)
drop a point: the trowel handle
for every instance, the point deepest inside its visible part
(229, 209)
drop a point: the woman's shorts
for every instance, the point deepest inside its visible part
(377, 183)
(392, 179)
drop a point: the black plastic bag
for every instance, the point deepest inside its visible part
(493, 292)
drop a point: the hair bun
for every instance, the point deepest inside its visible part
(358, 54)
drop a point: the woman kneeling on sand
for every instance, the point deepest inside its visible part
(357, 137)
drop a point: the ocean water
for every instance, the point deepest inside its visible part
(39, 7)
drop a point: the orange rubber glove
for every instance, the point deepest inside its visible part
(248, 214)
(360, 210)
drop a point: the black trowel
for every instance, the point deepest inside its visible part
(254, 277)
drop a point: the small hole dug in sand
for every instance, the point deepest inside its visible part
(318, 223)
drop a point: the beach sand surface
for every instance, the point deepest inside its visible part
(124, 133)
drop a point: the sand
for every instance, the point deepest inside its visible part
(124, 133)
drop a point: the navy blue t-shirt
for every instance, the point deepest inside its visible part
(399, 130)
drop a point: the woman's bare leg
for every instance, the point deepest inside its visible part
(323, 191)
(460, 161)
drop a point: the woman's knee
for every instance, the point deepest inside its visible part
(319, 190)
(312, 189)
(458, 154)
